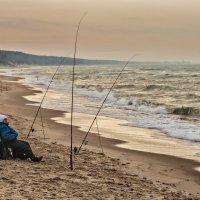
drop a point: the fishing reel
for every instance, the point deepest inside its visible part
(75, 150)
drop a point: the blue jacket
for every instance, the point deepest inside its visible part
(7, 133)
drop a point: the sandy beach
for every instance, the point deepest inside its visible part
(119, 174)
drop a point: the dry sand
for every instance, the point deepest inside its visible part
(119, 174)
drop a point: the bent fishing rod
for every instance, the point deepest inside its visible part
(72, 101)
(31, 129)
(77, 151)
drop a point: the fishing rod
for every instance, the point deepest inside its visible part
(42, 123)
(72, 101)
(31, 129)
(103, 104)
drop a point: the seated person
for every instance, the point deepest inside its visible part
(21, 149)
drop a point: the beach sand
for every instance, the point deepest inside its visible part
(119, 174)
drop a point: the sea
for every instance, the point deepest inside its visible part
(162, 96)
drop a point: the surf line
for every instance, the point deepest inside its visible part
(76, 151)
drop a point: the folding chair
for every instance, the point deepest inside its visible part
(5, 152)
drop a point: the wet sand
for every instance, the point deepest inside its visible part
(119, 174)
(141, 139)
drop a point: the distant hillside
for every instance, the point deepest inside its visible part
(19, 58)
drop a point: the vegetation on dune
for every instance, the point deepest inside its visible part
(18, 58)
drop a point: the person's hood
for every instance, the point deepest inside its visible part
(2, 117)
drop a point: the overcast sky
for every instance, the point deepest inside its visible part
(113, 29)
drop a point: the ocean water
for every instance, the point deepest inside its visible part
(163, 96)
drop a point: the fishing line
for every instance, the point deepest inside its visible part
(32, 129)
(99, 137)
(103, 104)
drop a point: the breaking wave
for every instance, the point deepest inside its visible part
(187, 111)
(157, 87)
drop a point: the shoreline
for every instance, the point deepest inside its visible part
(169, 169)
(136, 138)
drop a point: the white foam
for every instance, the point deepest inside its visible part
(170, 125)
(122, 102)
(197, 169)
